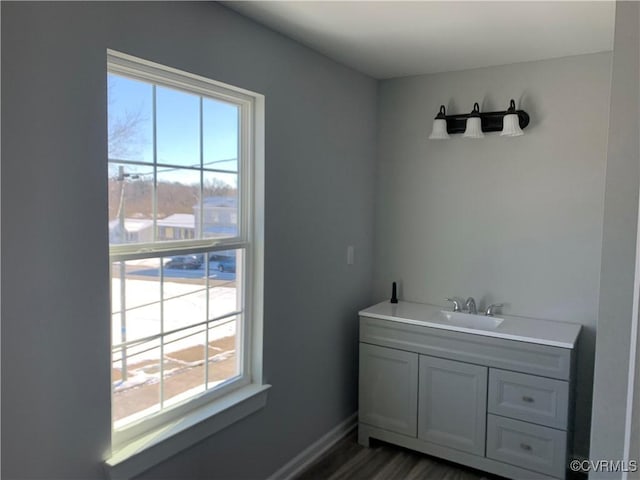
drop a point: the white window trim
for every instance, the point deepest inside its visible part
(135, 450)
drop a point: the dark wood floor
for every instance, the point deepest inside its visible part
(347, 460)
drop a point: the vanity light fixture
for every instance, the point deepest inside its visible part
(474, 124)
(509, 122)
(439, 130)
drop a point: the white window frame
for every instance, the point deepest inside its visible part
(245, 390)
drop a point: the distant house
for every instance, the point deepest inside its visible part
(135, 230)
(179, 226)
(220, 219)
(220, 216)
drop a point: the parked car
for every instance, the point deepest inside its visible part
(226, 264)
(184, 262)
(199, 257)
(221, 255)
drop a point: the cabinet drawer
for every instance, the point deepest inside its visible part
(530, 398)
(528, 446)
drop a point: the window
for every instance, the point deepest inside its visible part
(184, 225)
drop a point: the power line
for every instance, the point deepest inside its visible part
(173, 169)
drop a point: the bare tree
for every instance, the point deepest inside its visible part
(131, 192)
(215, 187)
(126, 136)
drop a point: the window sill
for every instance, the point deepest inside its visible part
(152, 448)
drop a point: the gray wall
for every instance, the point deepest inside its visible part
(634, 447)
(515, 220)
(320, 168)
(619, 243)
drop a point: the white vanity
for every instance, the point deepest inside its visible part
(493, 395)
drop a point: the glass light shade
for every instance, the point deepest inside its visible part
(511, 126)
(439, 131)
(474, 128)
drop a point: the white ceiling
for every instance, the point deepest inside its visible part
(386, 39)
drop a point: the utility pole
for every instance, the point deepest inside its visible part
(123, 239)
(123, 311)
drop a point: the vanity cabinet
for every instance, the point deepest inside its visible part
(491, 403)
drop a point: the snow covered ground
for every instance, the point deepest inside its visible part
(185, 304)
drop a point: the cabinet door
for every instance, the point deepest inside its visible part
(452, 409)
(388, 389)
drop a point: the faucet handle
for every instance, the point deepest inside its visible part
(457, 302)
(491, 309)
(470, 306)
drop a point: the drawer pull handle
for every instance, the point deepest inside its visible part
(527, 399)
(526, 447)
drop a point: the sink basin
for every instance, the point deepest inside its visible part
(470, 320)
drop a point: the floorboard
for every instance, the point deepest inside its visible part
(347, 460)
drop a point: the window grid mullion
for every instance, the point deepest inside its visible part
(201, 209)
(206, 255)
(154, 193)
(241, 187)
(162, 335)
(154, 123)
(206, 336)
(123, 317)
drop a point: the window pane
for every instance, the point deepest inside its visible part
(136, 382)
(178, 197)
(223, 352)
(142, 298)
(220, 215)
(220, 134)
(136, 286)
(224, 297)
(130, 119)
(184, 359)
(184, 291)
(177, 127)
(130, 203)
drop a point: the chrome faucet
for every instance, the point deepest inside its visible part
(457, 303)
(470, 306)
(491, 309)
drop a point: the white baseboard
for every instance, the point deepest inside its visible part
(316, 449)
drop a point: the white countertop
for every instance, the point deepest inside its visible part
(544, 332)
